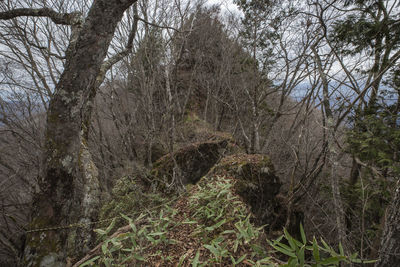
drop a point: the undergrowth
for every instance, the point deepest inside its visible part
(210, 226)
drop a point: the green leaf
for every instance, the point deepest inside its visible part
(241, 259)
(363, 261)
(228, 232)
(87, 263)
(215, 226)
(303, 235)
(127, 259)
(298, 244)
(156, 234)
(233, 260)
(235, 245)
(292, 262)
(218, 240)
(100, 232)
(123, 236)
(111, 226)
(250, 231)
(316, 250)
(301, 256)
(125, 217)
(289, 238)
(189, 222)
(279, 239)
(139, 257)
(195, 261)
(141, 216)
(258, 250)
(182, 259)
(283, 246)
(142, 230)
(222, 192)
(265, 260)
(213, 250)
(152, 240)
(332, 260)
(341, 251)
(104, 247)
(115, 242)
(354, 255)
(327, 247)
(287, 252)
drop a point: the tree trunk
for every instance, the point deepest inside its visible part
(389, 254)
(69, 185)
(355, 172)
(255, 134)
(333, 157)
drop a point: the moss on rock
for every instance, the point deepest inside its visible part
(195, 130)
(255, 182)
(188, 164)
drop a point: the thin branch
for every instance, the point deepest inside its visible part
(391, 63)
(158, 26)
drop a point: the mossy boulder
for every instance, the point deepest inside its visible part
(188, 164)
(255, 182)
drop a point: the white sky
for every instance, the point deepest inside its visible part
(226, 5)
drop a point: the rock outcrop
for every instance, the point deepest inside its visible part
(188, 164)
(233, 191)
(255, 182)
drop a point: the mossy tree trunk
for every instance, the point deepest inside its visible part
(69, 187)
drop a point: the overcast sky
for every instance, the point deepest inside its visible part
(226, 5)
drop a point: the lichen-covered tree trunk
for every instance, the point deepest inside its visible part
(389, 254)
(69, 185)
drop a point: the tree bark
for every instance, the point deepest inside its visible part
(389, 254)
(69, 185)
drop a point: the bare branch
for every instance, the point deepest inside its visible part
(58, 18)
(119, 56)
(156, 25)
